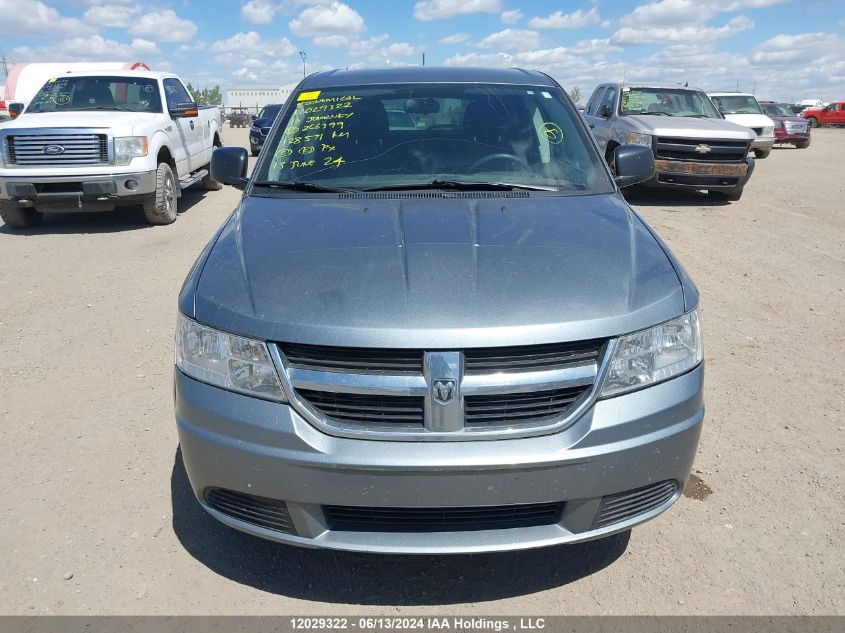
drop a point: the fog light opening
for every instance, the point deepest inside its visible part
(131, 184)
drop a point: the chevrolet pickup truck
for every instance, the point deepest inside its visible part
(694, 146)
(451, 337)
(93, 141)
(831, 114)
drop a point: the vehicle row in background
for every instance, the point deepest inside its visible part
(789, 128)
(239, 117)
(693, 145)
(831, 114)
(261, 126)
(97, 140)
(743, 109)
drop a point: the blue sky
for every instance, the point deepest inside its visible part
(783, 49)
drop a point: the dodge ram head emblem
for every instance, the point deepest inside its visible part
(53, 150)
(702, 149)
(443, 391)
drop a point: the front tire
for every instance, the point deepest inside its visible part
(813, 121)
(762, 153)
(803, 144)
(160, 207)
(19, 217)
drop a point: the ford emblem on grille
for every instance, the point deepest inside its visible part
(53, 150)
(702, 149)
(443, 390)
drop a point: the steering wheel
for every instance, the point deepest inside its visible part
(499, 156)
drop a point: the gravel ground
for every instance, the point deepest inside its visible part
(97, 515)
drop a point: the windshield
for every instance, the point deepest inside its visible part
(270, 112)
(64, 94)
(667, 102)
(774, 109)
(737, 104)
(421, 134)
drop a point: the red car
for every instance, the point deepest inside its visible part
(789, 128)
(831, 114)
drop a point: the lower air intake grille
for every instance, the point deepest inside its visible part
(626, 505)
(270, 514)
(520, 408)
(357, 519)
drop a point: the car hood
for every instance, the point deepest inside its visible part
(750, 120)
(690, 127)
(436, 273)
(36, 122)
(264, 123)
(788, 119)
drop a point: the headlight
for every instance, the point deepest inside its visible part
(650, 356)
(768, 131)
(226, 360)
(635, 138)
(128, 147)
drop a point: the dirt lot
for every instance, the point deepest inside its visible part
(93, 484)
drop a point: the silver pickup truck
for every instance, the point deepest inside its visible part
(694, 146)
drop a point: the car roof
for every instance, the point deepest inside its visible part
(652, 84)
(730, 94)
(426, 74)
(116, 72)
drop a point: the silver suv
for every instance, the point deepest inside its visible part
(694, 146)
(451, 337)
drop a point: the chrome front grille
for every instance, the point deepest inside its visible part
(700, 149)
(408, 394)
(48, 150)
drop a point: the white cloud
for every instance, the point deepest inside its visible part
(251, 44)
(455, 38)
(819, 48)
(336, 18)
(258, 11)
(511, 40)
(164, 26)
(510, 17)
(631, 36)
(561, 20)
(91, 47)
(401, 49)
(674, 12)
(427, 10)
(116, 16)
(33, 17)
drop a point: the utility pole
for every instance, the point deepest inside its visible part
(423, 58)
(304, 56)
(5, 66)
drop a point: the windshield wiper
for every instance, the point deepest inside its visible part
(462, 185)
(656, 113)
(107, 108)
(299, 185)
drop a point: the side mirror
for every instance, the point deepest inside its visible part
(604, 112)
(15, 109)
(184, 110)
(228, 165)
(634, 164)
(254, 116)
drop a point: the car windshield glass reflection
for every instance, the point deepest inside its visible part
(667, 102)
(390, 136)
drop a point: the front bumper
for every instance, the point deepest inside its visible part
(700, 174)
(101, 189)
(788, 136)
(265, 449)
(763, 142)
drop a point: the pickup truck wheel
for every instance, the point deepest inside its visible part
(803, 144)
(18, 217)
(762, 153)
(813, 121)
(160, 207)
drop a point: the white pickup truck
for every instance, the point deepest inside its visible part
(92, 141)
